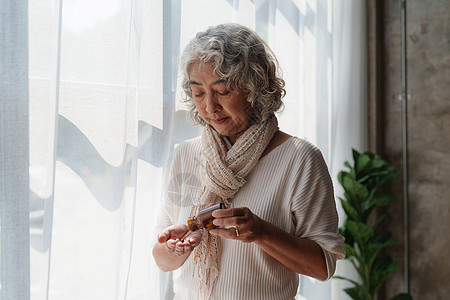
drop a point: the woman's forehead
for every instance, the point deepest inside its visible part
(202, 67)
(203, 72)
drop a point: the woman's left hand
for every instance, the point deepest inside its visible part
(247, 227)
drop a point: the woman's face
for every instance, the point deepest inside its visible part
(226, 110)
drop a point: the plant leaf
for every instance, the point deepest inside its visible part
(359, 291)
(349, 250)
(384, 200)
(341, 176)
(390, 175)
(355, 154)
(347, 235)
(371, 250)
(355, 293)
(378, 162)
(363, 165)
(351, 212)
(370, 204)
(347, 279)
(372, 194)
(367, 206)
(403, 296)
(356, 190)
(381, 269)
(347, 164)
(350, 199)
(352, 255)
(364, 178)
(361, 232)
(378, 222)
(382, 237)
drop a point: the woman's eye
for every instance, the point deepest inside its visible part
(198, 94)
(223, 93)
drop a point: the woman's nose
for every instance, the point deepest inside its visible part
(212, 105)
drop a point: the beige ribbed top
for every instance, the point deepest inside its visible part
(289, 187)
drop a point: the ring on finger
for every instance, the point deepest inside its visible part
(237, 231)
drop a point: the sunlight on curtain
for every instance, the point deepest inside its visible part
(105, 112)
(349, 115)
(96, 97)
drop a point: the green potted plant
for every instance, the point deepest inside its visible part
(364, 241)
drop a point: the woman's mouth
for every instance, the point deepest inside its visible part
(219, 120)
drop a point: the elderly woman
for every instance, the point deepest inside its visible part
(280, 218)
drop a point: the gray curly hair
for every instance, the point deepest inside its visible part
(243, 60)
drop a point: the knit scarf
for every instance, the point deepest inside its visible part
(224, 167)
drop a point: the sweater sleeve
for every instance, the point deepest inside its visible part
(313, 205)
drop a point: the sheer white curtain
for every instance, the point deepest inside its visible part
(90, 111)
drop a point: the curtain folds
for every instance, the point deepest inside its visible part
(91, 108)
(349, 116)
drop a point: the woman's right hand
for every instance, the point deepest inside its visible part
(178, 239)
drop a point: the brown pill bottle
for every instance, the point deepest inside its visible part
(204, 219)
